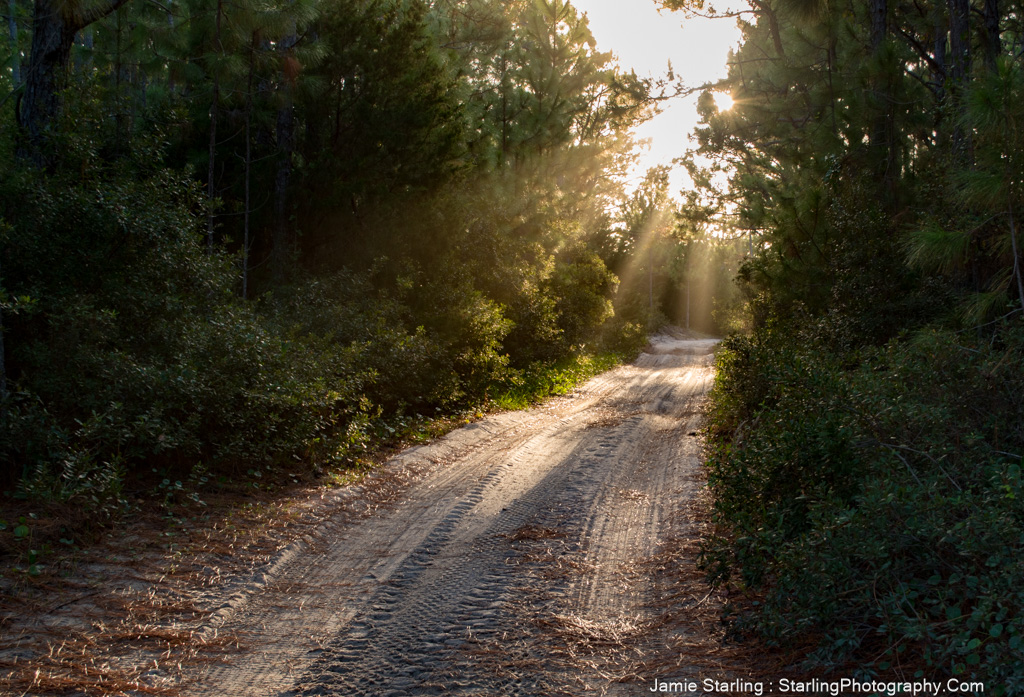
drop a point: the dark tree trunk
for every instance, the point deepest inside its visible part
(211, 190)
(282, 179)
(773, 24)
(54, 25)
(248, 167)
(882, 136)
(3, 363)
(879, 23)
(960, 40)
(12, 30)
(940, 73)
(52, 37)
(959, 73)
(285, 146)
(992, 46)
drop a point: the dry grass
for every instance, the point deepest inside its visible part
(686, 632)
(679, 631)
(131, 613)
(533, 533)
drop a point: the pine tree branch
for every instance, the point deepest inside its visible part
(98, 12)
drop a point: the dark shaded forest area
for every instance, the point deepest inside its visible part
(865, 439)
(244, 236)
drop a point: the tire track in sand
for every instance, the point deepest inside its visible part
(510, 558)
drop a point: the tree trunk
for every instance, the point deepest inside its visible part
(54, 25)
(3, 363)
(12, 30)
(960, 39)
(992, 46)
(52, 37)
(768, 13)
(879, 23)
(960, 72)
(1016, 255)
(248, 168)
(940, 73)
(211, 160)
(212, 150)
(285, 147)
(882, 136)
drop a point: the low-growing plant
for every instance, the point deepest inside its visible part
(876, 503)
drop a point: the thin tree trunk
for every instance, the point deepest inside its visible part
(992, 45)
(940, 75)
(121, 118)
(285, 146)
(212, 154)
(285, 133)
(504, 107)
(960, 71)
(650, 278)
(12, 30)
(3, 361)
(687, 302)
(248, 169)
(1016, 255)
(170, 23)
(831, 56)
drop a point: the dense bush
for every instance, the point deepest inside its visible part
(875, 504)
(257, 239)
(130, 347)
(129, 351)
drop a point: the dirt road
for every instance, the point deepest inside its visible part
(511, 558)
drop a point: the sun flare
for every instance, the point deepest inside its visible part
(723, 100)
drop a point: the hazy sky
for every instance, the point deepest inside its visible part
(645, 40)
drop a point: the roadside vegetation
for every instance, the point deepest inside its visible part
(243, 245)
(865, 437)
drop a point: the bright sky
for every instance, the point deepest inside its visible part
(645, 40)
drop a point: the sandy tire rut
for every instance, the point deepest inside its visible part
(512, 563)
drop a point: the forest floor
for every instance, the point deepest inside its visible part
(543, 552)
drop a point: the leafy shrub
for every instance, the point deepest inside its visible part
(582, 287)
(522, 388)
(875, 503)
(134, 349)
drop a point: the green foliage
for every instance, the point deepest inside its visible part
(385, 108)
(135, 347)
(582, 287)
(524, 388)
(865, 440)
(271, 235)
(876, 507)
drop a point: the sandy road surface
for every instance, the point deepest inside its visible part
(514, 553)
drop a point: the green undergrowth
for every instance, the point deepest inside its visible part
(136, 373)
(534, 383)
(871, 503)
(41, 532)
